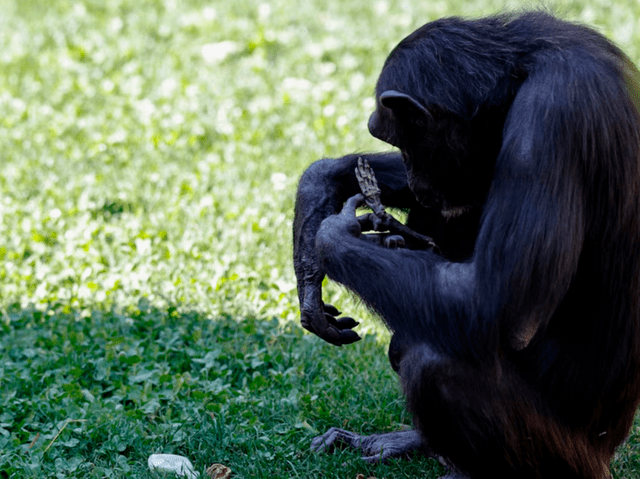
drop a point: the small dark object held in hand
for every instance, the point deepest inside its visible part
(386, 222)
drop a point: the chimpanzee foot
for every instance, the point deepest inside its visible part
(377, 447)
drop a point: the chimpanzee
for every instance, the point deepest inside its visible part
(517, 341)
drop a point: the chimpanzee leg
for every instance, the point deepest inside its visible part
(397, 349)
(486, 417)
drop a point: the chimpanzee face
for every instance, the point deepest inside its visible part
(431, 162)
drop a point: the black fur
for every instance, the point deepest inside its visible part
(519, 348)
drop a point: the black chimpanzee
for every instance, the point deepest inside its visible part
(518, 343)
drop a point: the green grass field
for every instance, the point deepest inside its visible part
(150, 152)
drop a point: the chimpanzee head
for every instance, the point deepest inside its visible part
(431, 161)
(446, 117)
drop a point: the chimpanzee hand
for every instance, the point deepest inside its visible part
(321, 320)
(347, 222)
(373, 222)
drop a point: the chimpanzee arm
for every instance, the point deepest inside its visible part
(322, 191)
(526, 253)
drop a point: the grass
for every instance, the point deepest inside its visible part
(94, 396)
(150, 153)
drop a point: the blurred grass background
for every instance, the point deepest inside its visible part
(150, 152)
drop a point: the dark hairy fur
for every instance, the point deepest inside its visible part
(519, 347)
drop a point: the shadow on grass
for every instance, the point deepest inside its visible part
(93, 395)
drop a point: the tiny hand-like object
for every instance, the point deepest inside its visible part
(371, 191)
(369, 186)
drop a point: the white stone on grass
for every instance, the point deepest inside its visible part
(172, 463)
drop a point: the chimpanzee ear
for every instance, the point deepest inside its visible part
(404, 106)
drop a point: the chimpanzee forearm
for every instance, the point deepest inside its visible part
(326, 185)
(441, 293)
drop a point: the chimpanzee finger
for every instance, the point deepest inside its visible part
(338, 337)
(393, 242)
(331, 309)
(348, 336)
(335, 437)
(345, 322)
(372, 222)
(350, 206)
(366, 221)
